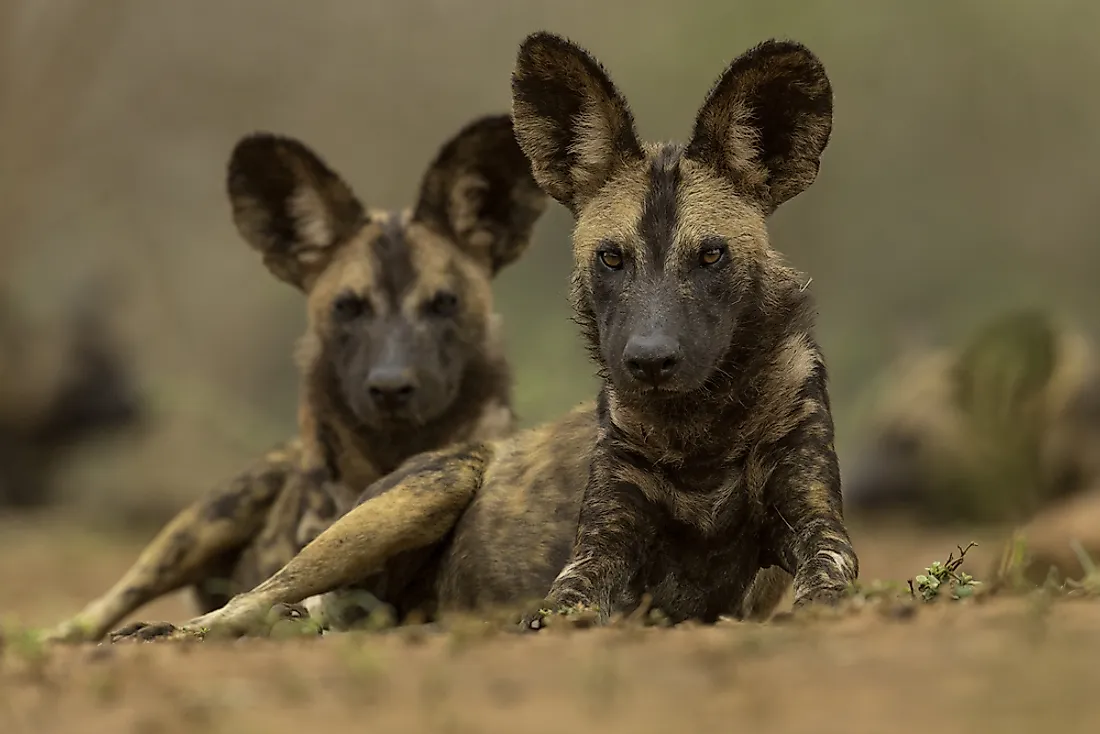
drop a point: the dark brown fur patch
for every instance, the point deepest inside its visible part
(660, 213)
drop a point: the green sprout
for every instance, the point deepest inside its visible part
(945, 577)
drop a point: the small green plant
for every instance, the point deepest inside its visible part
(1089, 585)
(940, 578)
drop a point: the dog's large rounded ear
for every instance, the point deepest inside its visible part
(766, 122)
(290, 206)
(570, 120)
(479, 192)
(1004, 367)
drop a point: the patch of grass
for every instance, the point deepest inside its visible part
(1089, 585)
(1011, 573)
(27, 648)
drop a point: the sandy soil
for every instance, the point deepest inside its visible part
(1005, 665)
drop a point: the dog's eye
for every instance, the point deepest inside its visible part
(711, 255)
(612, 259)
(349, 307)
(444, 304)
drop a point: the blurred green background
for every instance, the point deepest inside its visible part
(962, 178)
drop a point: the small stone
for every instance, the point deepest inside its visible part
(100, 653)
(899, 611)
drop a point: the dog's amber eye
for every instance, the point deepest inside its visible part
(349, 307)
(611, 259)
(711, 255)
(444, 304)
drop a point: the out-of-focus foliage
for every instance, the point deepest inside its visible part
(960, 179)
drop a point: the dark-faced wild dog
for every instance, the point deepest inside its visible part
(992, 431)
(706, 467)
(59, 387)
(402, 352)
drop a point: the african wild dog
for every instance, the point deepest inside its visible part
(708, 455)
(714, 457)
(402, 352)
(58, 388)
(993, 431)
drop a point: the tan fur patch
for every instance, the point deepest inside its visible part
(314, 220)
(709, 205)
(351, 270)
(434, 258)
(740, 140)
(613, 214)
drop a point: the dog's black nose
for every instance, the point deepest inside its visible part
(652, 359)
(391, 387)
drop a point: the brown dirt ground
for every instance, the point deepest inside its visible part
(1003, 665)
